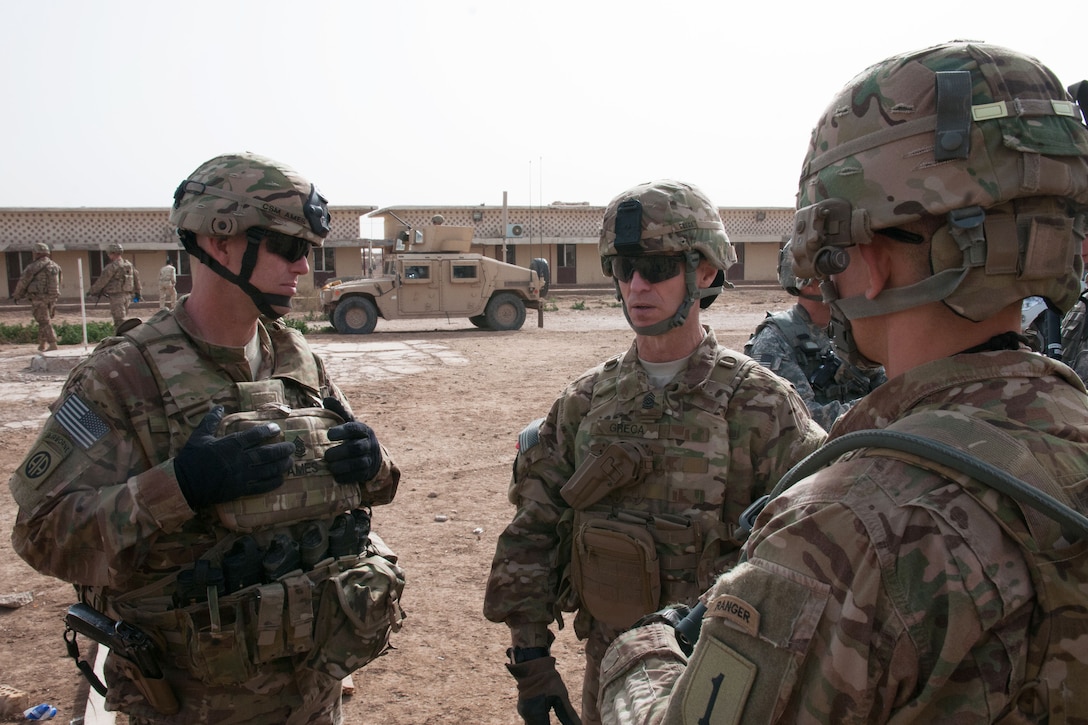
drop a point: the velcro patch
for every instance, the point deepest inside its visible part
(80, 422)
(719, 681)
(735, 612)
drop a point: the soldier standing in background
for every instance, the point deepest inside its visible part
(201, 478)
(627, 492)
(940, 189)
(168, 279)
(40, 283)
(794, 344)
(120, 282)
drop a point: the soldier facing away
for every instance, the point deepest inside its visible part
(625, 492)
(40, 283)
(201, 479)
(795, 345)
(940, 189)
(120, 282)
(168, 279)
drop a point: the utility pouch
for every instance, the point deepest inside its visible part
(281, 619)
(309, 490)
(214, 637)
(621, 463)
(615, 570)
(355, 612)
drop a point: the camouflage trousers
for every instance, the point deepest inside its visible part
(168, 296)
(43, 315)
(600, 636)
(278, 694)
(119, 308)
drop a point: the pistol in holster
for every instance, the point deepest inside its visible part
(135, 652)
(621, 463)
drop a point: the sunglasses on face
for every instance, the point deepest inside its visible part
(282, 245)
(652, 268)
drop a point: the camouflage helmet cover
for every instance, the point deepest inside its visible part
(115, 248)
(41, 248)
(954, 129)
(235, 192)
(675, 217)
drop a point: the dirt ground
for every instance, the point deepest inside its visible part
(447, 400)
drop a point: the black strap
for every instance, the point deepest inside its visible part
(953, 136)
(83, 665)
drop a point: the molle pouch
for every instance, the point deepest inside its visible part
(308, 491)
(356, 610)
(281, 619)
(214, 637)
(616, 572)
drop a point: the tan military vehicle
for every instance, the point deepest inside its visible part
(429, 272)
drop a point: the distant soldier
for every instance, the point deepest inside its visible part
(168, 293)
(40, 283)
(120, 282)
(794, 344)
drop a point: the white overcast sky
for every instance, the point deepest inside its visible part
(111, 103)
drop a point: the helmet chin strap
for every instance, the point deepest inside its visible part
(840, 329)
(263, 300)
(681, 314)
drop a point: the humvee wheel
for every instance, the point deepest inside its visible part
(505, 311)
(355, 316)
(479, 320)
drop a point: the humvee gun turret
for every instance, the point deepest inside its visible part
(429, 272)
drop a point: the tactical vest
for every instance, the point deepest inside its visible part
(850, 383)
(660, 537)
(1075, 339)
(230, 613)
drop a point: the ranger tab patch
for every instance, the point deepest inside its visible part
(735, 612)
(80, 422)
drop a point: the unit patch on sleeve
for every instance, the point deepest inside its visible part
(80, 422)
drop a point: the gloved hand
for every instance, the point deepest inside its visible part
(359, 458)
(541, 690)
(213, 470)
(671, 615)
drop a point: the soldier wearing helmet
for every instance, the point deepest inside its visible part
(120, 282)
(641, 465)
(203, 480)
(40, 283)
(795, 345)
(938, 573)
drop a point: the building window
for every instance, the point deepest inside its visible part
(324, 260)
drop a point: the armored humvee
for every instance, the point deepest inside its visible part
(429, 272)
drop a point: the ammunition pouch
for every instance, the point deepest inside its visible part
(339, 615)
(615, 570)
(309, 490)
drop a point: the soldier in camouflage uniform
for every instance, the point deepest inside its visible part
(120, 282)
(168, 279)
(941, 188)
(40, 282)
(626, 491)
(202, 479)
(794, 344)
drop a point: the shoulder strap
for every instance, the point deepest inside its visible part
(944, 445)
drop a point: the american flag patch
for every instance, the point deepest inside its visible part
(80, 422)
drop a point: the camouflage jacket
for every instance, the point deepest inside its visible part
(1075, 339)
(876, 590)
(99, 502)
(117, 278)
(764, 429)
(796, 349)
(40, 280)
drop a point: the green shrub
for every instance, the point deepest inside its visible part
(579, 305)
(299, 325)
(67, 333)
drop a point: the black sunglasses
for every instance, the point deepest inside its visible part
(653, 268)
(282, 245)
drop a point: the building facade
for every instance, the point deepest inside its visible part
(563, 234)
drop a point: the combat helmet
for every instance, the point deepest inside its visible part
(115, 248)
(981, 138)
(248, 194)
(41, 248)
(667, 217)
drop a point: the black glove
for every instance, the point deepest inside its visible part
(541, 690)
(359, 458)
(214, 470)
